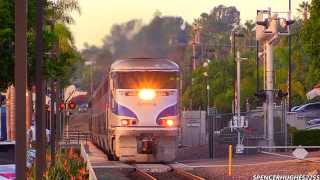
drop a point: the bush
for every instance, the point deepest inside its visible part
(307, 137)
(69, 166)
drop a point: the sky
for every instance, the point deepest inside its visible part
(98, 16)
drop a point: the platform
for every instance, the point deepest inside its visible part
(99, 166)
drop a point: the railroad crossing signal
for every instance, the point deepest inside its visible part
(71, 105)
(62, 106)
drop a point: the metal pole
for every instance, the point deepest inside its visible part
(289, 63)
(210, 122)
(285, 125)
(66, 116)
(269, 84)
(208, 94)
(21, 85)
(238, 96)
(193, 56)
(234, 73)
(58, 114)
(230, 160)
(40, 116)
(257, 65)
(53, 122)
(91, 80)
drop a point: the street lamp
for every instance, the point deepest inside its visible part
(210, 119)
(206, 65)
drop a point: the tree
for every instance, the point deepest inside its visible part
(61, 13)
(310, 38)
(6, 43)
(61, 10)
(304, 9)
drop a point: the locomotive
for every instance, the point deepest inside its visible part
(135, 111)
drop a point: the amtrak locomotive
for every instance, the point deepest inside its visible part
(135, 110)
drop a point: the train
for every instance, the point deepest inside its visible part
(135, 111)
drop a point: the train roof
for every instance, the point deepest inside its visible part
(144, 64)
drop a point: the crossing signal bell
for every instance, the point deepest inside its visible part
(261, 95)
(281, 94)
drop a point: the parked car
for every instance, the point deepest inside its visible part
(294, 108)
(83, 108)
(310, 110)
(313, 124)
(308, 107)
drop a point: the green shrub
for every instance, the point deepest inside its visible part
(69, 166)
(307, 137)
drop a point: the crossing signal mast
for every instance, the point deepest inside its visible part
(269, 27)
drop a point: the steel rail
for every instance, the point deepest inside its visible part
(187, 175)
(145, 175)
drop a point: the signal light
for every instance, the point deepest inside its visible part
(124, 122)
(71, 105)
(166, 122)
(281, 94)
(62, 106)
(261, 94)
(128, 122)
(147, 94)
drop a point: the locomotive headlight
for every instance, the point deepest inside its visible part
(124, 122)
(147, 94)
(170, 122)
(167, 122)
(128, 122)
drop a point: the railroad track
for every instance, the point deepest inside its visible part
(143, 175)
(174, 174)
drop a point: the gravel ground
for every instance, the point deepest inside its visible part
(167, 176)
(247, 172)
(193, 153)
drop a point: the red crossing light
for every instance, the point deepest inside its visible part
(62, 106)
(71, 105)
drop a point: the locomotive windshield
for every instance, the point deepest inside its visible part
(150, 79)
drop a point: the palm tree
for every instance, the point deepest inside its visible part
(59, 14)
(247, 29)
(304, 9)
(64, 38)
(61, 10)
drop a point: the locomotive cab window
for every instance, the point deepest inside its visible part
(151, 79)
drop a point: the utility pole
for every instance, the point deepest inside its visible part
(267, 33)
(40, 95)
(257, 66)
(238, 98)
(289, 62)
(269, 91)
(20, 86)
(195, 41)
(240, 123)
